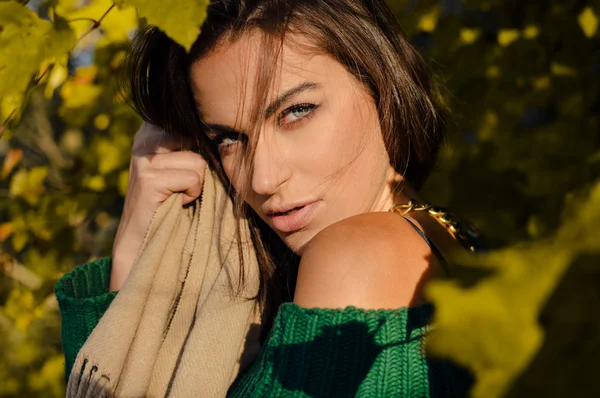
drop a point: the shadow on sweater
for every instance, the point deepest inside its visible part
(337, 363)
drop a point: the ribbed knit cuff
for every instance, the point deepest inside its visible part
(83, 298)
(342, 353)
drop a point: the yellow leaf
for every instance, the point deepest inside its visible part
(588, 20)
(80, 98)
(110, 154)
(469, 36)
(58, 75)
(507, 36)
(26, 41)
(29, 184)
(562, 70)
(179, 19)
(95, 183)
(10, 105)
(79, 95)
(48, 381)
(531, 32)
(429, 21)
(116, 26)
(493, 72)
(102, 121)
(23, 321)
(541, 83)
(505, 306)
(13, 157)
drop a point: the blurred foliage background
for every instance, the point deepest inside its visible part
(521, 161)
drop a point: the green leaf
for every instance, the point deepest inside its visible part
(26, 41)
(179, 19)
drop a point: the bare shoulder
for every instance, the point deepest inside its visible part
(372, 260)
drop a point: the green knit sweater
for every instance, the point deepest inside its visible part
(309, 352)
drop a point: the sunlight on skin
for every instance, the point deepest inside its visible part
(329, 150)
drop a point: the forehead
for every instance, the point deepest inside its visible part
(225, 80)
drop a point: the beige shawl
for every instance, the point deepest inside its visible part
(174, 328)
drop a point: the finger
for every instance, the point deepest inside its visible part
(175, 142)
(169, 181)
(178, 160)
(153, 139)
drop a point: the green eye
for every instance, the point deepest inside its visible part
(296, 113)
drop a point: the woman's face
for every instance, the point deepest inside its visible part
(320, 147)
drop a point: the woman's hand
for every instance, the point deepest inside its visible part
(161, 164)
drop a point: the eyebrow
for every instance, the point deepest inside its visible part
(222, 129)
(273, 106)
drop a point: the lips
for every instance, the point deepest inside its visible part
(294, 218)
(286, 208)
(285, 213)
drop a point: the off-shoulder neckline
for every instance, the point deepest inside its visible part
(290, 306)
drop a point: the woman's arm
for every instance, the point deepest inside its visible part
(160, 165)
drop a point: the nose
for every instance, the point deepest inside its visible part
(270, 167)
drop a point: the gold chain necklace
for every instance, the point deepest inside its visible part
(460, 229)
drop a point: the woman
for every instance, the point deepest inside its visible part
(320, 117)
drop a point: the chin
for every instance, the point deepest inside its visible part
(298, 241)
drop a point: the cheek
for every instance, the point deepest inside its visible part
(240, 180)
(233, 171)
(343, 140)
(328, 144)
(357, 159)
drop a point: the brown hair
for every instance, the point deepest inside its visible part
(362, 35)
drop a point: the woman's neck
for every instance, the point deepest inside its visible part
(395, 192)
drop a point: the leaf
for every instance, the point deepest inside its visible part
(58, 75)
(112, 153)
(531, 32)
(26, 41)
(29, 184)
(95, 183)
(48, 381)
(588, 20)
(6, 229)
(469, 36)
(492, 327)
(507, 36)
(102, 121)
(558, 69)
(19, 240)
(13, 158)
(116, 25)
(179, 19)
(429, 20)
(79, 100)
